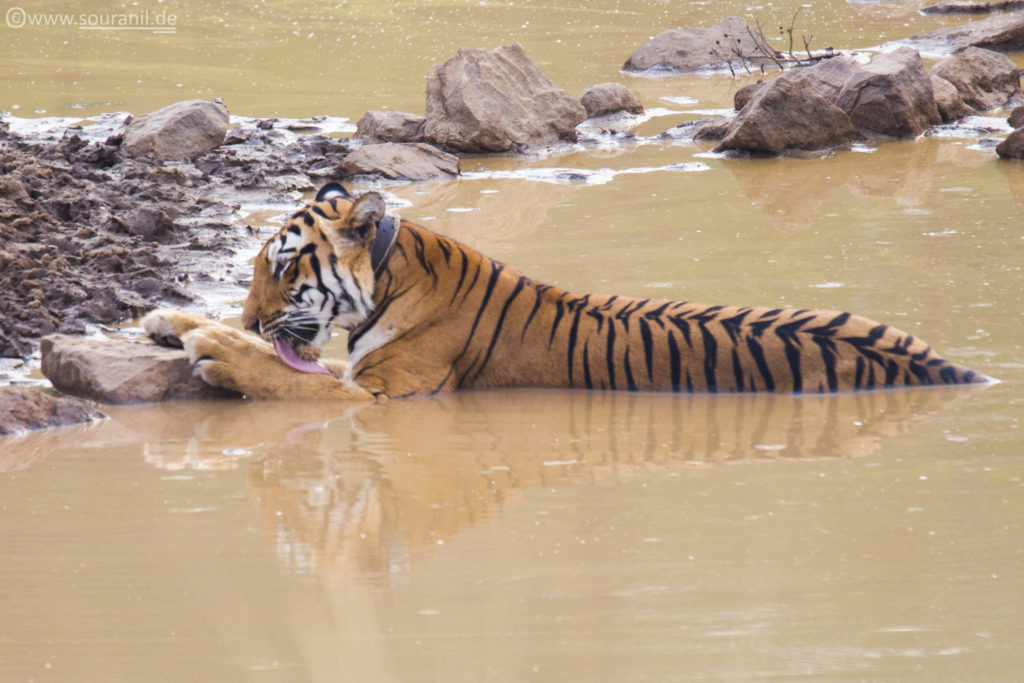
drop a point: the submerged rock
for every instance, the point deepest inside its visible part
(788, 114)
(27, 408)
(707, 128)
(609, 98)
(1003, 33)
(121, 371)
(985, 79)
(730, 41)
(401, 161)
(1016, 118)
(1013, 146)
(892, 95)
(183, 130)
(957, 7)
(495, 101)
(390, 126)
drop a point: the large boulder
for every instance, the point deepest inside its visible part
(730, 41)
(788, 114)
(985, 79)
(829, 76)
(495, 101)
(183, 130)
(1004, 33)
(122, 371)
(26, 408)
(892, 95)
(609, 98)
(401, 161)
(390, 126)
(1013, 146)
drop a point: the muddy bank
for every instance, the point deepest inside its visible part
(92, 236)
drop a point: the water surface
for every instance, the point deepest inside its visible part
(551, 536)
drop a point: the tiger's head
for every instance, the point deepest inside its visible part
(314, 274)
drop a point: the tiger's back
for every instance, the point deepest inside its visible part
(447, 318)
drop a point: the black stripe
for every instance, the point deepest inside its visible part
(630, 384)
(539, 291)
(586, 365)
(559, 312)
(445, 249)
(579, 305)
(828, 358)
(497, 328)
(673, 361)
(891, 370)
(609, 354)
(684, 327)
(737, 368)
(645, 336)
(859, 377)
(495, 272)
(710, 358)
(757, 352)
(472, 283)
(462, 274)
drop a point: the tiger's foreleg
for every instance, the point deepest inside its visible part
(242, 362)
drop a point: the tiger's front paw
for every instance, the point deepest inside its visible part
(227, 358)
(167, 326)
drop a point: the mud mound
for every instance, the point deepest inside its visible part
(90, 235)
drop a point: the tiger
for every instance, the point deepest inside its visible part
(426, 314)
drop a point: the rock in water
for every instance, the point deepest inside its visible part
(496, 100)
(1013, 146)
(122, 371)
(947, 99)
(1004, 33)
(788, 114)
(730, 41)
(609, 98)
(985, 79)
(183, 130)
(26, 408)
(892, 95)
(390, 126)
(401, 161)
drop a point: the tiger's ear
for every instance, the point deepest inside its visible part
(332, 190)
(366, 212)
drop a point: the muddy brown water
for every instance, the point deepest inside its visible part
(551, 536)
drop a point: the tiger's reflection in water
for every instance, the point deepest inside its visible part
(368, 491)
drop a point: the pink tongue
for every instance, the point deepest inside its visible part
(286, 353)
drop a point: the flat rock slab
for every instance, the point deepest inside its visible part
(1003, 33)
(401, 161)
(122, 371)
(26, 408)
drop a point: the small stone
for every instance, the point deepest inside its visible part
(609, 98)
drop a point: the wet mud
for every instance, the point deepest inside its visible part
(91, 236)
